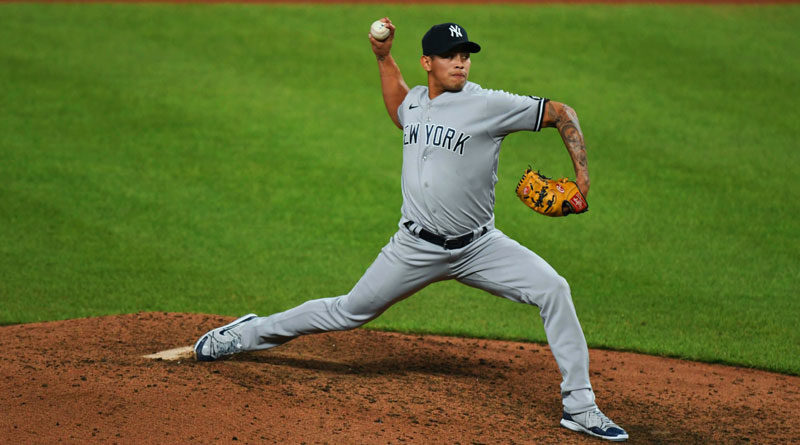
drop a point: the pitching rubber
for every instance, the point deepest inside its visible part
(182, 353)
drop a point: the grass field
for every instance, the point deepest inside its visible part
(236, 158)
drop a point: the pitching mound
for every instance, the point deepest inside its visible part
(87, 381)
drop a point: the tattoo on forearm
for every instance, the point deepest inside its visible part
(573, 139)
(566, 121)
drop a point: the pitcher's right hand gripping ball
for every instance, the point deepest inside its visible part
(550, 197)
(379, 30)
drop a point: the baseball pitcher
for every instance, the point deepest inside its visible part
(452, 130)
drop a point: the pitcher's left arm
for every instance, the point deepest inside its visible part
(564, 118)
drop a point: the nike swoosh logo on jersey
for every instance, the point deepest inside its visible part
(411, 107)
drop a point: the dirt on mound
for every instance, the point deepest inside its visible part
(85, 380)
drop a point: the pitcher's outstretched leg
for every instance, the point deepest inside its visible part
(404, 266)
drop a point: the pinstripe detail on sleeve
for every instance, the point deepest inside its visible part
(539, 112)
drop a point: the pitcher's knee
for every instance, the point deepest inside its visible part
(554, 291)
(560, 286)
(558, 297)
(348, 320)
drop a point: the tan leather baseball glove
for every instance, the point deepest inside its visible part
(550, 197)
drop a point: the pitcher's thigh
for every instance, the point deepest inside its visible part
(507, 269)
(397, 273)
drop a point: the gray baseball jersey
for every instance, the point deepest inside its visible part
(451, 146)
(450, 152)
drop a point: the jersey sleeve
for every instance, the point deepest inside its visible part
(401, 114)
(411, 96)
(509, 112)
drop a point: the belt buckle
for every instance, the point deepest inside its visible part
(456, 243)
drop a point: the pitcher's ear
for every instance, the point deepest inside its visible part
(426, 63)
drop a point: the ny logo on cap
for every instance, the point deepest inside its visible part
(455, 31)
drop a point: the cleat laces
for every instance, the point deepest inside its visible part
(224, 346)
(598, 419)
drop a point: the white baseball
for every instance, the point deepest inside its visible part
(379, 30)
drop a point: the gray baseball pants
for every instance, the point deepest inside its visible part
(494, 262)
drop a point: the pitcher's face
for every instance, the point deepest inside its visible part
(447, 72)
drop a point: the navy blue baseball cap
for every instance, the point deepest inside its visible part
(446, 37)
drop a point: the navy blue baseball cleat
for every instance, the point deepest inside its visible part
(222, 341)
(594, 423)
